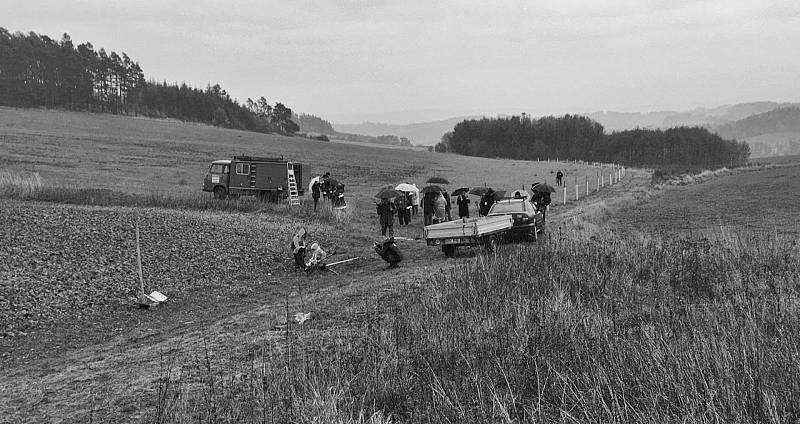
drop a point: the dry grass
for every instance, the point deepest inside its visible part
(20, 185)
(623, 330)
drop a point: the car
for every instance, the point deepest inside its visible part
(528, 222)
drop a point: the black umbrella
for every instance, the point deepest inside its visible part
(437, 180)
(389, 193)
(432, 189)
(459, 191)
(543, 188)
(479, 191)
(499, 194)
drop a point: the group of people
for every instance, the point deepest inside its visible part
(329, 188)
(402, 206)
(299, 250)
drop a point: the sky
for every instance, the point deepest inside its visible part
(404, 61)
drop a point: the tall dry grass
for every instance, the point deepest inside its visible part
(20, 185)
(651, 329)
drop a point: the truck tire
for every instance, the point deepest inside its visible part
(449, 250)
(220, 192)
(490, 244)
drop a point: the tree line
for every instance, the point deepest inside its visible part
(38, 71)
(576, 137)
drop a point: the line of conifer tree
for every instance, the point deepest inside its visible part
(576, 137)
(38, 71)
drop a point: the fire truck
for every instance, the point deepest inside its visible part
(264, 177)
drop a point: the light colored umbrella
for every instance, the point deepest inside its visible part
(407, 187)
(313, 180)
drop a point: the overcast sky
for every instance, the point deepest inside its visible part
(401, 61)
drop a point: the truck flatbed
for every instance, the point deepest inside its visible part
(468, 232)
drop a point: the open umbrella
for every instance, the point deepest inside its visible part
(459, 191)
(499, 194)
(437, 180)
(411, 188)
(432, 189)
(543, 188)
(479, 191)
(389, 193)
(314, 180)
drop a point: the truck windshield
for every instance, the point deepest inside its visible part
(508, 206)
(216, 168)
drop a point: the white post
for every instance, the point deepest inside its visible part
(576, 192)
(609, 179)
(565, 194)
(139, 262)
(602, 181)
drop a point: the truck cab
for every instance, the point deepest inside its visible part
(217, 178)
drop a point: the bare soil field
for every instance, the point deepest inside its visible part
(73, 346)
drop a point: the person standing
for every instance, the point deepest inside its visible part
(463, 205)
(315, 193)
(386, 211)
(559, 177)
(447, 206)
(440, 205)
(409, 207)
(486, 202)
(400, 204)
(428, 207)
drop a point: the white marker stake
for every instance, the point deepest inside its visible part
(139, 259)
(565, 194)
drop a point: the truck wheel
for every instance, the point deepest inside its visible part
(491, 244)
(220, 192)
(449, 250)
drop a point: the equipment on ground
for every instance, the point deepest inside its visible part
(268, 178)
(389, 252)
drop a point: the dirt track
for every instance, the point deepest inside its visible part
(115, 379)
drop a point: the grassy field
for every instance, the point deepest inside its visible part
(608, 318)
(760, 200)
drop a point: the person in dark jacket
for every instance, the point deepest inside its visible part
(386, 210)
(486, 202)
(428, 207)
(298, 247)
(315, 193)
(463, 205)
(400, 204)
(559, 177)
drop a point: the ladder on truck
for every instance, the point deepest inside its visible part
(294, 197)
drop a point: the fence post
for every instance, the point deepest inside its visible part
(565, 194)
(576, 190)
(598, 182)
(587, 185)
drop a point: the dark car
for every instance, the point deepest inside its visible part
(527, 220)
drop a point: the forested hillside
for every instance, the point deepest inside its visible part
(580, 138)
(785, 119)
(37, 71)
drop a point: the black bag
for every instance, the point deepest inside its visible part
(389, 251)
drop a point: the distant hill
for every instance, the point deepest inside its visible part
(423, 133)
(703, 117)
(772, 133)
(430, 133)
